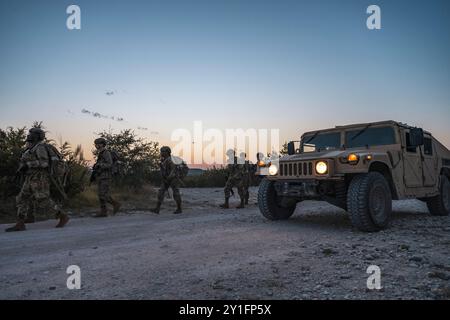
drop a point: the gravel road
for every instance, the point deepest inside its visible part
(212, 253)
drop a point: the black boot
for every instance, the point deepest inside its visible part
(242, 205)
(225, 205)
(19, 226)
(178, 207)
(116, 206)
(178, 211)
(157, 208)
(63, 219)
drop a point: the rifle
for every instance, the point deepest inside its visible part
(58, 187)
(20, 173)
(56, 183)
(93, 174)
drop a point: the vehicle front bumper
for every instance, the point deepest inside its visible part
(301, 189)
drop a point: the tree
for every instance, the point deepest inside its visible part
(77, 166)
(12, 143)
(138, 157)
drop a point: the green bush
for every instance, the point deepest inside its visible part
(78, 178)
(211, 178)
(139, 158)
(12, 143)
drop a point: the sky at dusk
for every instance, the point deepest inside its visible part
(161, 65)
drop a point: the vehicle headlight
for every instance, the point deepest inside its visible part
(321, 167)
(353, 158)
(273, 170)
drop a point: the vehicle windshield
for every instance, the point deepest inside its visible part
(369, 137)
(317, 142)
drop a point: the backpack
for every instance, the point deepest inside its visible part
(117, 163)
(181, 168)
(58, 166)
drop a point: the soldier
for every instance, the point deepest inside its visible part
(35, 165)
(247, 176)
(169, 180)
(102, 173)
(236, 178)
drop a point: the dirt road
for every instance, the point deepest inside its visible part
(211, 253)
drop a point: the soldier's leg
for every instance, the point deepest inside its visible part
(227, 190)
(44, 204)
(246, 189)
(176, 196)
(242, 194)
(103, 197)
(161, 192)
(24, 204)
(31, 214)
(24, 200)
(108, 198)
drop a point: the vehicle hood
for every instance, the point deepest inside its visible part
(316, 155)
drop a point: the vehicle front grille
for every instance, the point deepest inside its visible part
(296, 169)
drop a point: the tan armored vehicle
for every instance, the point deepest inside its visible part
(360, 168)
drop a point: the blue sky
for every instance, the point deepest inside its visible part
(292, 65)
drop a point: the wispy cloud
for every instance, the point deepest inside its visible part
(101, 116)
(98, 115)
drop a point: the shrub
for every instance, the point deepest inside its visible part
(139, 158)
(12, 143)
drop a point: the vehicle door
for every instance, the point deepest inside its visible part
(429, 162)
(412, 162)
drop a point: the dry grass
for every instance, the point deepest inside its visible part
(132, 199)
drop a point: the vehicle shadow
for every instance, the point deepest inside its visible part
(324, 215)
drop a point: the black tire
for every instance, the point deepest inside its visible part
(369, 202)
(268, 202)
(440, 205)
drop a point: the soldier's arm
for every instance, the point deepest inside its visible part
(171, 169)
(42, 160)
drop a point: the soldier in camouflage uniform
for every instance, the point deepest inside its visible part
(35, 165)
(236, 178)
(102, 173)
(246, 178)
(169, 180)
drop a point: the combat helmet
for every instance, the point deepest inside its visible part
(165, 149)
(35, 135)
(100, 141)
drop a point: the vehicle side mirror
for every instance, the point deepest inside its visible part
(416, 137)
(291, 148)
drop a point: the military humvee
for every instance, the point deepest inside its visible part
(360, 168)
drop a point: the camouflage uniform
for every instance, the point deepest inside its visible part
(35, 192)
(169, 180)
(103, 168)
(36, 164)
(247, 180)
(237, 177)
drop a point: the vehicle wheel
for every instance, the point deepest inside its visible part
(369, 202)
(440, 205)
(269, 203)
